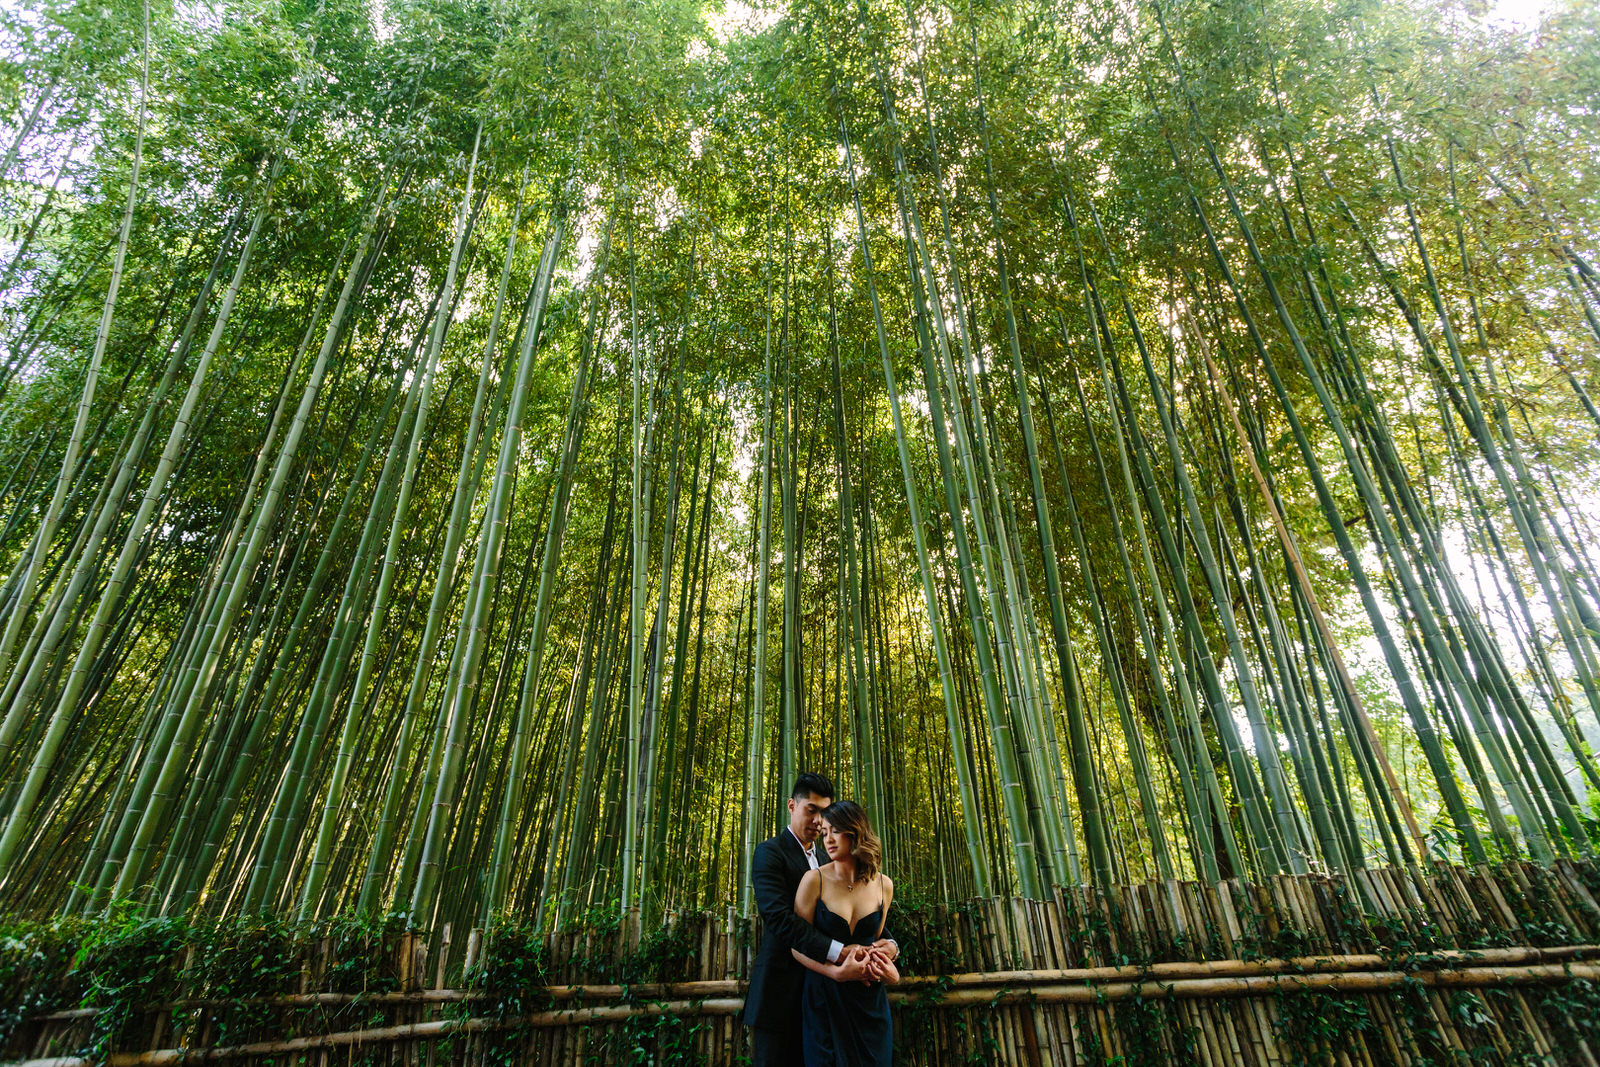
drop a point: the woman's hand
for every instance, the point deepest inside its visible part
(865, 964)
(880, 966)
(854, 965)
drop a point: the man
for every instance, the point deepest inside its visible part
(772, 1004)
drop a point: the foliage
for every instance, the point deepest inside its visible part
(1118, 443)
(237, 963)
(35, 974)
(128, 964)
(1316, 1028)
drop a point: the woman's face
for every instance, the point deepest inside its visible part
(836, 842)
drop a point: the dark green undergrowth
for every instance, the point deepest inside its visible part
(221, 974)
(511, 979)
(217, 972)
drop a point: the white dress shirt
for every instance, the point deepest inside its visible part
(834, 948)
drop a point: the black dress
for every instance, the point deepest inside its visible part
(846, 1024)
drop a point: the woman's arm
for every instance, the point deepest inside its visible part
(882, 966)
(805, 897)
(827, 970)
(849, 965)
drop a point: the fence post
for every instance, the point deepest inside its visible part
(444, 957)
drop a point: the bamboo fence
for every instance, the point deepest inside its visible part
(1387, 966)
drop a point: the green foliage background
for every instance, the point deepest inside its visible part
(686, 168)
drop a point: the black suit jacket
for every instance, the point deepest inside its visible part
(773, 1000)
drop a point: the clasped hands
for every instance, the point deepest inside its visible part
(869, 963)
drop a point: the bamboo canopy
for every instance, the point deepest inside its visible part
(462, 460)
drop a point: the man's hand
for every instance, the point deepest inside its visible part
(890, 949)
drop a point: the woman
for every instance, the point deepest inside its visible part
(846, 1024)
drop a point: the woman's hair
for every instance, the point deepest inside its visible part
(848, 817)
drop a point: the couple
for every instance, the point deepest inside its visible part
(817, 993)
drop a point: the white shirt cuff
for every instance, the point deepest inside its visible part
(834, 951)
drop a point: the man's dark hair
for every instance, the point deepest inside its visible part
(811, 785)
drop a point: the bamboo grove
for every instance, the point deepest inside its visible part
(463, 458)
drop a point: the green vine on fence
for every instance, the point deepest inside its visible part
(1316, 1029)
(128, 963)
(36, 973)
(232, 967)
(511, 980)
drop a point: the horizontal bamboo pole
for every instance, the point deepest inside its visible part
(1054, 993)
(1263, 985)
(439, 1028)
(1198, 969)
(1126, 973)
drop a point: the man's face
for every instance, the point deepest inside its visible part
(805, 816)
